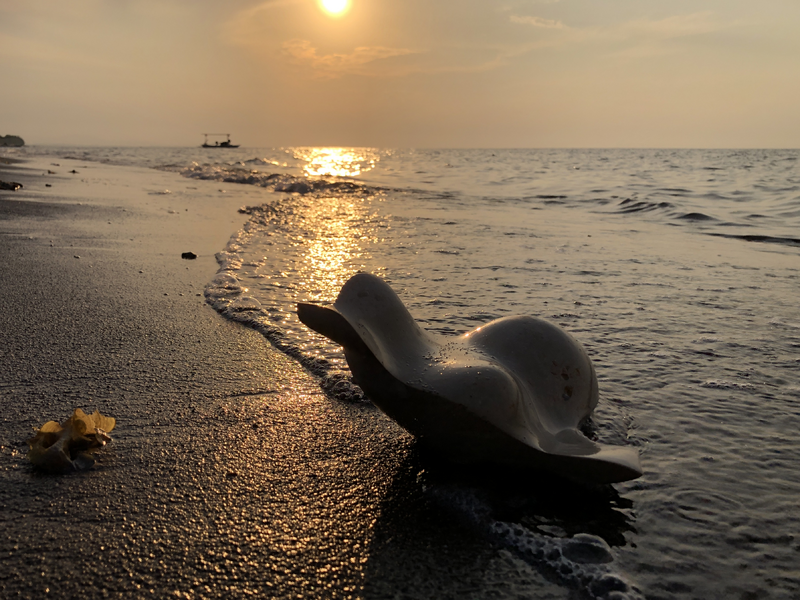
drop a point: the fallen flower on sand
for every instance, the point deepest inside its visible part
(70, 445)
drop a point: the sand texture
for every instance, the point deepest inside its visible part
(230, 472)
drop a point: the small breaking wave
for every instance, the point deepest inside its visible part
(631, 205)
(696, 216)
(721, 384)
(279, 182)
(676, 191)
(766, 239)
(274, 318)
(776, 322)
(227, 296)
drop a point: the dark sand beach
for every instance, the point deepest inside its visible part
(230, 473)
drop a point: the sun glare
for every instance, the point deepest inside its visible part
(336, 162)
(335, 8)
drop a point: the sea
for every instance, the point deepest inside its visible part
(679, 272)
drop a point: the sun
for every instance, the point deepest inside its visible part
(335, 8)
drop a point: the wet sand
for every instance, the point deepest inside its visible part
(230, 473)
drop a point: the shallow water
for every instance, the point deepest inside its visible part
(678, 271)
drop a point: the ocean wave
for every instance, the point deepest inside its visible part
(279, 182)
(695, 216)
(766, 239)
(676, 191)
(721, 384)
(776, 322)
(631, 205)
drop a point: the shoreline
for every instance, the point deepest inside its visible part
(230, 472)
(240, 476)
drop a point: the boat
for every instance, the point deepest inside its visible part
(217, 144)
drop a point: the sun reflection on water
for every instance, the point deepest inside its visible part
(330, 249)
(336, 162)
(331, 253)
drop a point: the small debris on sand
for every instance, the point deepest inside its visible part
(10, 185)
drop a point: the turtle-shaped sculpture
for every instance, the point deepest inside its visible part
(512, 392)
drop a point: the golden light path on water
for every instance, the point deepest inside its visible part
(337, 221)
(331, 242)
(336, 162)
(333, 249)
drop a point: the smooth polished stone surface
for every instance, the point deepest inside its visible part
(514, 391)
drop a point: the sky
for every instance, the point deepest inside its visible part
(403, 73)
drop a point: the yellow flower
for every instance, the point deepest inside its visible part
(69, 446)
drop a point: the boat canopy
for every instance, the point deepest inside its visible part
(219, 144)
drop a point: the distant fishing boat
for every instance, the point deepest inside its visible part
(217, 144)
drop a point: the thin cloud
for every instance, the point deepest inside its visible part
(671, 27)
(273, 34)
(270, 31)
(537, 22)
(257, 29)
(646, 38)
(635, 34)
(336, 65)
(364, 61)
(260, 29)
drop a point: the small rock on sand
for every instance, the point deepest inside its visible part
(10, 185)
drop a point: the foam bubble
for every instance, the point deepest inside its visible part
(244, 304)
(583, 562)
(721, 384)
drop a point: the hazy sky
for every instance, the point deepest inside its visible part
(403, 73)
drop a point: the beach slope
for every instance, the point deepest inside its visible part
(230, 473)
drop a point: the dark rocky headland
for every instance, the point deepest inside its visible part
(11, 140)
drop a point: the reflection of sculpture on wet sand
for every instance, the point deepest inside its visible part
(512, 392)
